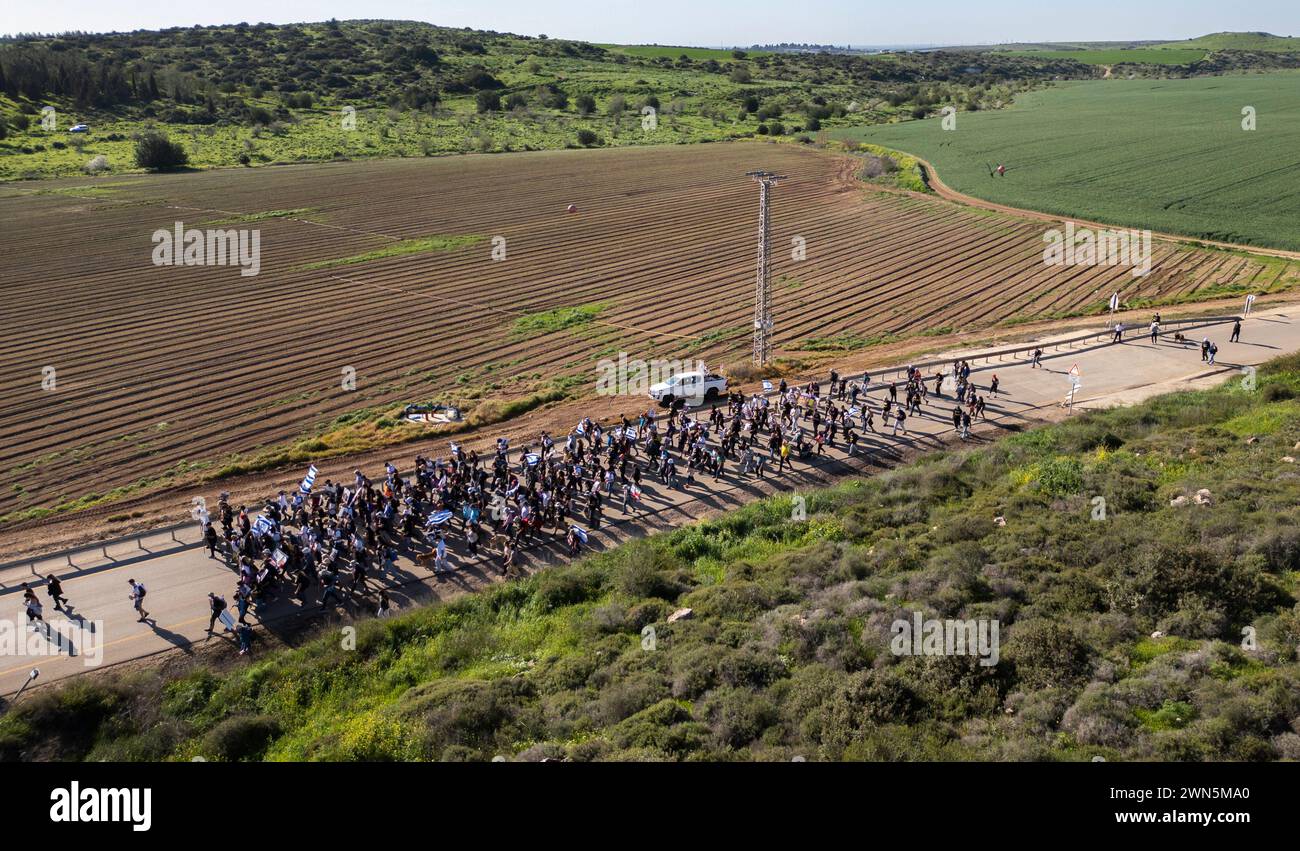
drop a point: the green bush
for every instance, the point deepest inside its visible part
(241, 737)
(154, 151)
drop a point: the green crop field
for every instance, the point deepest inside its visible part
(1149, 56)
(1168, 155)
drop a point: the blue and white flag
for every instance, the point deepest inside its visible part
(262, 525)
(532, 458)
(438, 518)
(852, 412)
(1114, 302)
(767, 387)
(309, 480)
(581, 533)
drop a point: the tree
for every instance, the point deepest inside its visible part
(153, 150)
(487, 101)
(585, 104)
(740, 74)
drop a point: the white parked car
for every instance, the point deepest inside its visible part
(79, 128)
(694, 387)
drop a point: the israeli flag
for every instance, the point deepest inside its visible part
(262, 525)
(532, 458)
(438, 518)
(767, 387)
(581, 533)
(852, 412)
(309, 480)
(580, 431)
(1114, 302)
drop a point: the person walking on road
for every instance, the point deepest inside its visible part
(33, 607)
(1214, 350)
(1155, 331)
(54, 588)
(137, 599)
(1038, 359)
(217, 607)
(1236, 332)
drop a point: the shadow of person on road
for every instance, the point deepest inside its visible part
(173, 638)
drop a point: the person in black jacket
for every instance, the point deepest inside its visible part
(54, 588)
(217, 606)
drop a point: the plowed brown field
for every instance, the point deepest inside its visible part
(162, 368)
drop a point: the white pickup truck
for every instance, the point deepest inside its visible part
(694, 388)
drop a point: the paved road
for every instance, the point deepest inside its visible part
(178, 574)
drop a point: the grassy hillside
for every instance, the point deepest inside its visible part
(1117, 56)
(1121, 635)
(1237, 41)
(250, 95)
(1168, 155)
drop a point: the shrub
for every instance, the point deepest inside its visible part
(1047, 654)
(587, 138)
(487, 101)
(241, 737)
(96, 165)
(153, 150)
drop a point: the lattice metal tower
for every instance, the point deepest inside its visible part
(763, 288)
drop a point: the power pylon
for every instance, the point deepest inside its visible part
(763, 288)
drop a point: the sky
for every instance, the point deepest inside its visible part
(709, 22)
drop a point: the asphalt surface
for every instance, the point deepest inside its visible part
(103, 629)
